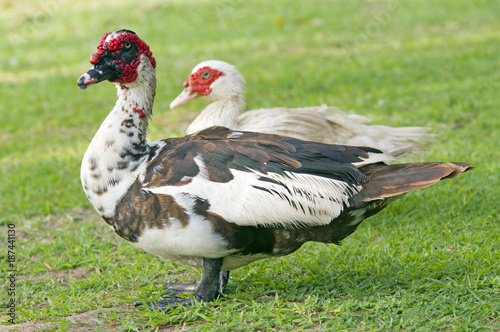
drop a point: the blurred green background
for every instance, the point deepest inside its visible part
(397, 62)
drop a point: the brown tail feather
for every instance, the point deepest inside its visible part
(392, 180)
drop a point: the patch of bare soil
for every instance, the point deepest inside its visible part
(85, 321)
(178, 328)
(63, 276)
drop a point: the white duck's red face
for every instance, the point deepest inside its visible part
(201, 80)
(117, 59)
(199, 84)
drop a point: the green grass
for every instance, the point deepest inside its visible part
(428, 262)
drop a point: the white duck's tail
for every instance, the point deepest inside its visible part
(353, 129)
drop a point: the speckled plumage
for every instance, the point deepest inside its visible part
(220, 199)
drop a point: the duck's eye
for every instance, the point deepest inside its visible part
(127, 44)
(205, 75)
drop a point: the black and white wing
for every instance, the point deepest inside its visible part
(253, 179)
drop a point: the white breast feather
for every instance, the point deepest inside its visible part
(184, 244)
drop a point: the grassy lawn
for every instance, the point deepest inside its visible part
(428, 262)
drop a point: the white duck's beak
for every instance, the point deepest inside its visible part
(186, 95)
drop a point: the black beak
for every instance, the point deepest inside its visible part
(104, 70)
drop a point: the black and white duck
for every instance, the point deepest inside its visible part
(221, 199)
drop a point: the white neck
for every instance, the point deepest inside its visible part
(222, 112)
(117, 153)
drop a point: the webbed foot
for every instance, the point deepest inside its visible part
(179, 288)
(167, 303)
(212, 283)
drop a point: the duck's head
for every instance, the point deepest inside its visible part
(118, 57)
(213, 79)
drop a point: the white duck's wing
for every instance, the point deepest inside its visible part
(255, 179)
(330, 125)
(306, 123)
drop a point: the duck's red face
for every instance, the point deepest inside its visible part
(117, 59)
(198, 85)
(201, 80)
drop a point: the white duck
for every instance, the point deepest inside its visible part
(222, 82)
(221, 199)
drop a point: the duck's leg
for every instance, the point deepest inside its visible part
(179, 288)
(223, 279)
(207, 289)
